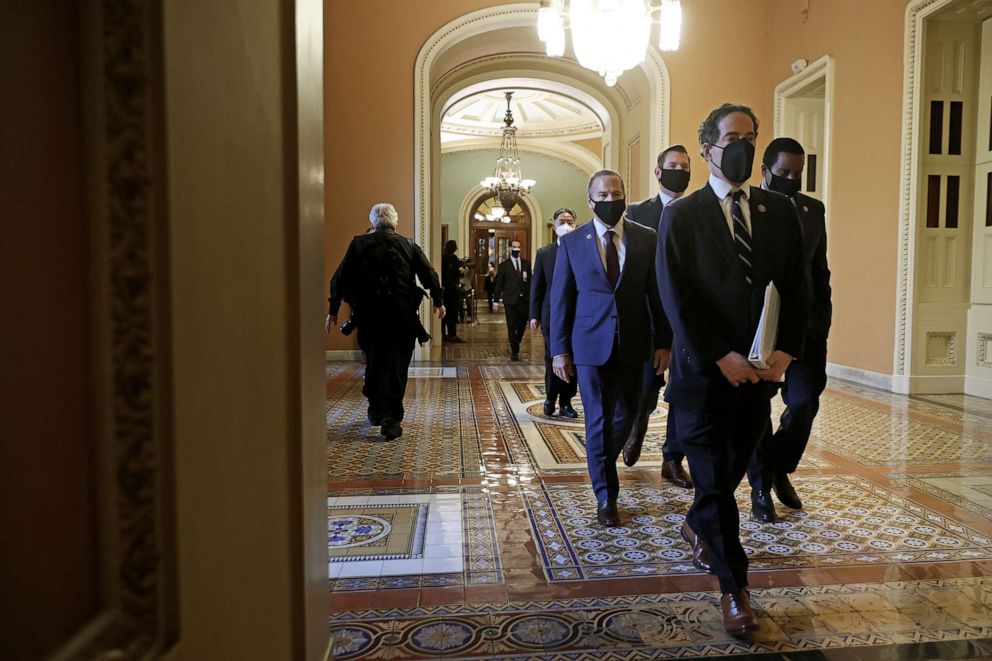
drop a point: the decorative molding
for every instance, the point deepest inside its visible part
(570, 133)
(949, 356)
(477, 149)
(916, 13)
(984, 353)
(860, 376)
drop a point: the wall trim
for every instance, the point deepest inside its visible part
(916, 14)
(978, 386)
(860, 376)
(342, 356)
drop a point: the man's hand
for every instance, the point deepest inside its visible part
(563, 367)
(662, 357)
(778, 362)
(330, 322)
(535, 324)
(737, 370)
(440, 311)
(495, 307)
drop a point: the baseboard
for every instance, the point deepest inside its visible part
(978, 386)
(338, 356)
(860, 376)
(935, 385)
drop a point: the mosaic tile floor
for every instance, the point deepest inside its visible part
(473, 535)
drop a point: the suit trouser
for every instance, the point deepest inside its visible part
(609, 401)
(653, 383)
(782, 451)
(452, 303)
(516, 322)
(388, 360)
(555, 388)
(718, 442)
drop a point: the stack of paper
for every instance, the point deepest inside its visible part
(767, 332)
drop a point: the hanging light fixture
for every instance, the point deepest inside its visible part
(609, 36)
(507, 185)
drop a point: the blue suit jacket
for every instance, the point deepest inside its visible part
(708, 302)
(587, 314)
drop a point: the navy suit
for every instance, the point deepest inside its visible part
(608, 333)
(713, 311)
(540, 309)
(805, 379)
(648, 213)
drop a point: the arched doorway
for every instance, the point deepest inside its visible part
(490, 237)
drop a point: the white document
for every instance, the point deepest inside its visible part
(767, 332)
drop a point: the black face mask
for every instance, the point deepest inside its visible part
(515, 252)
(674, 180)
(784, 185)
(738, 158)
(609, 211)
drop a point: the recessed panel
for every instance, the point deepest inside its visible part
(951, 210)
(933, 201)
(936, 127)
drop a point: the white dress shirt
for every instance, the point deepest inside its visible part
(516, 264)
(665, 198)
(618, 241)
(723, 193)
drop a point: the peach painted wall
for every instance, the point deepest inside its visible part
(866, 41)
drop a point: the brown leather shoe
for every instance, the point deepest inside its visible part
(738, 618)
(700, 556)
(674, 473)
(632, 450)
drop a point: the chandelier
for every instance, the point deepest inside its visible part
(609, 36)
(506, 185)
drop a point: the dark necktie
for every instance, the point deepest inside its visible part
(612, 259)
(516, 265)
(742, 238)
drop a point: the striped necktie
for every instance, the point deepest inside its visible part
(742, 238)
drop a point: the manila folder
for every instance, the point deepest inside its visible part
(767, 333)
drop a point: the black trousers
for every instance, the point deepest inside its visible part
(452, 301)
(555, 389)
(718, 442)
(388, 359)
(781, 452)
(516, 323)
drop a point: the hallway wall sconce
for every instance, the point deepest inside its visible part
(609, 36)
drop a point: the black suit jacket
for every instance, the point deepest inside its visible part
(540, 287)
(706, 298)
(811, 212)
(646, 212)
(509, 286)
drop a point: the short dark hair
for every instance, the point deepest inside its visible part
(709, 130)
(679, 148)
(559, 212)
(451, 247)
(598, 174)
(779, 145)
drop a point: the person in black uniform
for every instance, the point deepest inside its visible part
(451, 273)
(778, 454)
(718, 249)
(672, 173)
(513, 285)
(555, 389)
(377, 273)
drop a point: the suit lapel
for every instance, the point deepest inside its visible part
(759, 239)
(716, 223)
(592, 245)
(630, 248)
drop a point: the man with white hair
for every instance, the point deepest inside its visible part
(378, 275)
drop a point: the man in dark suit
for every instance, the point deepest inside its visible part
(377, 275)
(555, 389)
(718, 249)
(513, 285)
(672, 173)
(604, 305)
(778, 454)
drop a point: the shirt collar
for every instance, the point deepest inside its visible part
(723, 189)
(665, 198)
(601, 227)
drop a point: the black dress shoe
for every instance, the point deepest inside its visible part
(632, 449)
(549, 407)
(738, 617)
(700, 556)
(762, 507)
(374, 420)
(786, 492)
(391, 429)
(567, 411)
(606, 513)
(673, 472)
(514, 356)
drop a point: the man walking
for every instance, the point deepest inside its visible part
(513, 284)
(604, 305)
